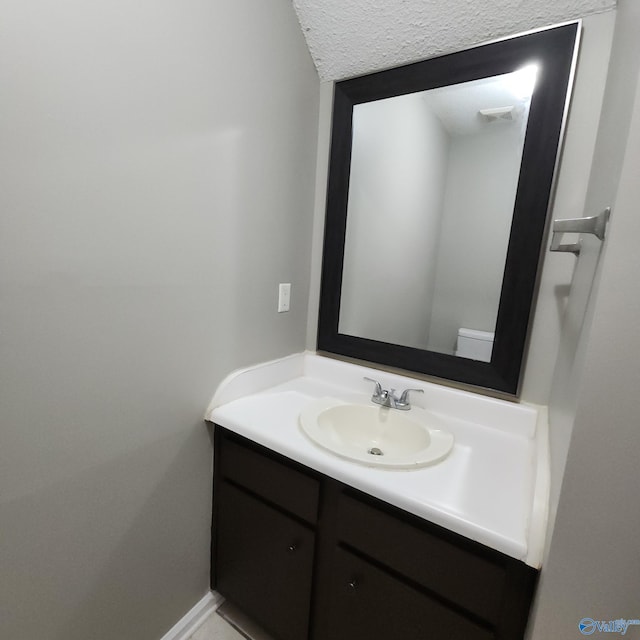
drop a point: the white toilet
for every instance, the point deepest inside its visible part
(475, 344)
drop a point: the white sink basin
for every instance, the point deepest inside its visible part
(374, 435)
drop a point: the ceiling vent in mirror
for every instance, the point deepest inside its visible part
(497, 113)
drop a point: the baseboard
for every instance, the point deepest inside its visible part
(191, 620)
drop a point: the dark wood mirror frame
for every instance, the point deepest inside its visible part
(554, 50)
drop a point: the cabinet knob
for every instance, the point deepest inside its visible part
(352, 584)
(292, 547)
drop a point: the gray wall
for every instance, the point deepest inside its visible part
(570, 201)
(396, 189)
(157, 166)
(592, 568)
(580, 295)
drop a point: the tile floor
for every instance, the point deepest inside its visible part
(229, 623)
(215, 627)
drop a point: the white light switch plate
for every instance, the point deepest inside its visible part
(284, 296)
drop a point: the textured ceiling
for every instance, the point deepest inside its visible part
(352, 37)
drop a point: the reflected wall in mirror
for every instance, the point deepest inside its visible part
(447, 249)
(439, 185)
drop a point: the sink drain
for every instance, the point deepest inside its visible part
(374, 451)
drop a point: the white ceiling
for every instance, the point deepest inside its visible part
(351, 37)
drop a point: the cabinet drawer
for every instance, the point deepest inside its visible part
(278, 483)
(457, 574)
(368, 603)
(264, 563)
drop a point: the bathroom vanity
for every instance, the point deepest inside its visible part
(311, 544)
(337, 518)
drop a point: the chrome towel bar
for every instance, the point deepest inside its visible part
(595, 225)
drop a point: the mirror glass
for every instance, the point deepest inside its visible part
(440, 180)
(431, 196)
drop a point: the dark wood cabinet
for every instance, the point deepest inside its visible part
(368, 602)
(265, 562)
(308, 557)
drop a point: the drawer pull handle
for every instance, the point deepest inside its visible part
(353, 584)
(292, 547)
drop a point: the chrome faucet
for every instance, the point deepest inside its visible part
(388, 398)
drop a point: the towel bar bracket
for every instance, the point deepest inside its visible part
(595, 225)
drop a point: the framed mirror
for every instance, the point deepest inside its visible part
(440, 179)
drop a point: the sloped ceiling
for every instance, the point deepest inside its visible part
(351, 37)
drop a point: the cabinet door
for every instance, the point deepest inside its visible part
(369, 604)
(264, 562)
(448, 568)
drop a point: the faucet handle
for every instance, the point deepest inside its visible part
(404, 398)
(378, 391)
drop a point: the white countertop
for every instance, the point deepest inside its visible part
(492, 488)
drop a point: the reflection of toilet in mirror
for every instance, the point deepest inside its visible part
(475, 344)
